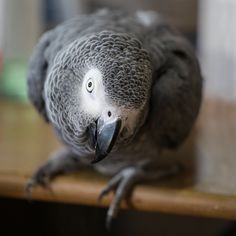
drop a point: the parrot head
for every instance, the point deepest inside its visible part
(100, 86)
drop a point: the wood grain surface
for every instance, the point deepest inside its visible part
(207, 187)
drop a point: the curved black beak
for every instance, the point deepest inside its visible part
(104, 137)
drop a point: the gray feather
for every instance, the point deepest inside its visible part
(177, 86)
(142, 60)
(37, 74)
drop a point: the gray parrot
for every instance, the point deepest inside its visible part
(119, 86)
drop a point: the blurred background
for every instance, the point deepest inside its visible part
(210, 25)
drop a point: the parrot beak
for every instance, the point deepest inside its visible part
(105, 137)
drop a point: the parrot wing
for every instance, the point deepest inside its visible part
(37, 74)
(177, 85)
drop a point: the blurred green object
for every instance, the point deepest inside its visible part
(13, 80)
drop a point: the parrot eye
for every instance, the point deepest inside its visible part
(90, 86)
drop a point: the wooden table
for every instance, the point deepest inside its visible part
(206, 188)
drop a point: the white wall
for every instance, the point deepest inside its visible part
(217, 46)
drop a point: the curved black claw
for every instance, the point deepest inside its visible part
(124, 181)
(40, 178)
(63, 161)
(122, 184)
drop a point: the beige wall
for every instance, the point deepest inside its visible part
(22, 26)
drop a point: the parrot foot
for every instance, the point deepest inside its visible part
(122, 183)
(61, 162)
(41, 178)
(125, 180)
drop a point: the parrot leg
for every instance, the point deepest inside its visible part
(63, 161)
(124, 181)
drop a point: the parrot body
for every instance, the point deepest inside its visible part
(114, 85)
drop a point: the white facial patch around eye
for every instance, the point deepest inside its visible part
(93, 94)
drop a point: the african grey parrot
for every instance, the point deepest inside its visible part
(114, 85)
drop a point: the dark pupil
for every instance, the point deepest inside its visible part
(90, 84)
